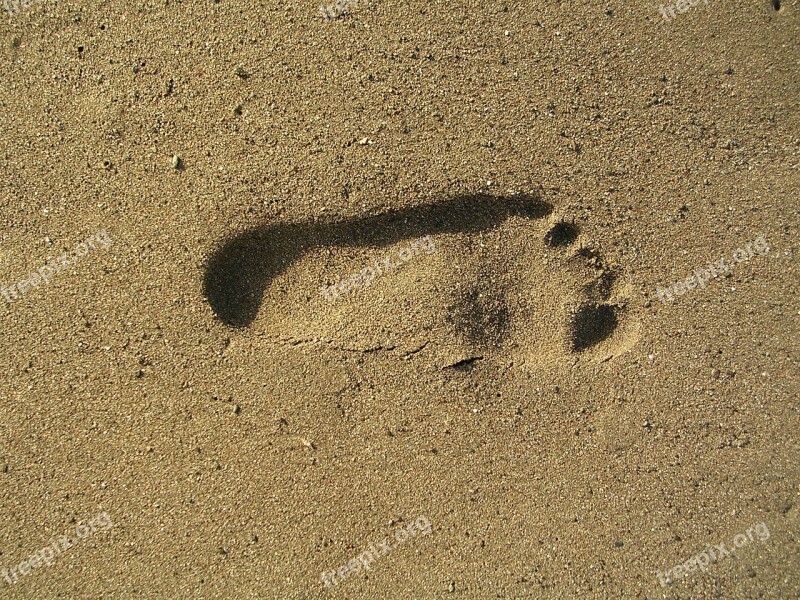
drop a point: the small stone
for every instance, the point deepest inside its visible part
(176, 162)
(237, 409)
(715, 373)
(139, 373)
(240, 72)
(618, 544)
(647, 424)
(451, 588)
(5, 468)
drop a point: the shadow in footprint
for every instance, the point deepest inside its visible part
(240, 270)
(591, 325)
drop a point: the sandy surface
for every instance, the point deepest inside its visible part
(403, 276)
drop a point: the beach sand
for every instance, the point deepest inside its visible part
(431, 286)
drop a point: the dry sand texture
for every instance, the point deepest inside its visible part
(434, 286)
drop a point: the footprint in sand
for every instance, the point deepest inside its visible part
(500, 277)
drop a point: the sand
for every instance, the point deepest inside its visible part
(421, 301)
